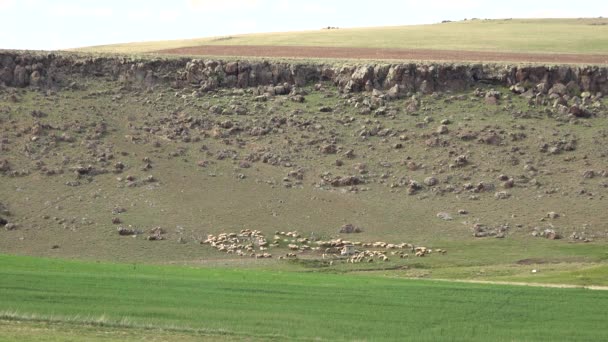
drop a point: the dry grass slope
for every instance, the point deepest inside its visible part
(228, 160)
(583, 36)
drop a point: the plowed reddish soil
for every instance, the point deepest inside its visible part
(401, 54)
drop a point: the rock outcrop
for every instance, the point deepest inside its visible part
(58, 70)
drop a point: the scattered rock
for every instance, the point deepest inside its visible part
(588, 174)
(551, 234)
(350, 229)
(558, 88)
(123, 231)
(413, 187)
(345, 181)
(350, 154)
(461, 160)
(492, 97)
(412, 105)
(431, 181)
(4, 165)
(329, 149)
(118, 210)
(156, 234)
(442, 129)
(480, 230)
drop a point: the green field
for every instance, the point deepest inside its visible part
(233, 304)
(588, 36)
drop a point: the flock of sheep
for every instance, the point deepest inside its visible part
(253, 243)
(369, 256)
(241, 244)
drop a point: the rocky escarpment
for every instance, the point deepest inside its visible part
(57, 70)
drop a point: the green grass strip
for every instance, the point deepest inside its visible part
(287, 305)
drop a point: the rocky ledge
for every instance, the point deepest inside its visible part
(29, 69)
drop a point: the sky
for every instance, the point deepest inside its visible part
(60, 24)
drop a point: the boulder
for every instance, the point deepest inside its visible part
(360, 77)
(492, 97)
(442, 129)
(412, 105)
(431, 181)
(579, 111)
(35, 78)
(20, 76)
(350, 229)
(517, 89)
(6, 75)
(395, 92)
(123, 231)
(231, 68)
(558, 88)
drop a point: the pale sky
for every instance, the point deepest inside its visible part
(58, 24)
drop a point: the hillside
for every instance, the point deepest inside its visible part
(142, 160)
(579, 36)
(431, 182)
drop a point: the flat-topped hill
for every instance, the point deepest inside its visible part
(489, 39)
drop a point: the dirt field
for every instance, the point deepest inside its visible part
(365, 53)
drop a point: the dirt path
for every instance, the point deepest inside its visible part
(399, 54)
(515, 283)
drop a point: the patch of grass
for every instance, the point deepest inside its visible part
(518, 35)
(584, 275)
(44, 330)
(285, 305)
